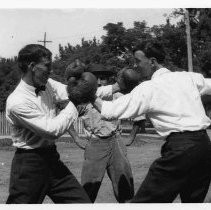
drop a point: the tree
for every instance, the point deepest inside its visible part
(9, 77)
(114, 50)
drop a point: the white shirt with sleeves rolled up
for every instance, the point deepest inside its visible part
(172, 101)
(33, 119)
(105, 92)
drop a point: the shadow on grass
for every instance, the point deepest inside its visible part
(6, 143)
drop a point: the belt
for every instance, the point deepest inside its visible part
(107, 138)
(198, 132)
(48, 149)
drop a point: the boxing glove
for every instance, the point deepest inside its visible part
(82, 90)
(127, 80)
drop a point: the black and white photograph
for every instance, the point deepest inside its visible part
(105, 105)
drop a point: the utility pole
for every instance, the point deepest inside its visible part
(44, 41)
(189, 48)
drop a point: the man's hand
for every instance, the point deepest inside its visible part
(80, 142)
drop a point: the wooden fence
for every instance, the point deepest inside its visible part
(5, 127)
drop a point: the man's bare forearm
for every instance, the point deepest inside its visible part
(115, 88)
(75, 137)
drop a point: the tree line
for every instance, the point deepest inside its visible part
(114, 48)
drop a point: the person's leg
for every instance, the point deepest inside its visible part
(28, 179)
(168, 175)
(143, 126)
(64, 187)
(120, 172)
(94, 166)
(197, 185)
(196, 188)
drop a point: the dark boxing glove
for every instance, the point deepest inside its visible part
(127, 80)
(82, 90)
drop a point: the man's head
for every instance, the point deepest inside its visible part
(149, 57)
(102, 79)
(102, 74)
(34, 62)
(74, 69)
(82, 90)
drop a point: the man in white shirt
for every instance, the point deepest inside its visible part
(172, 101)
(36, 169)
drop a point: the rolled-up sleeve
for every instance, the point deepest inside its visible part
(203, 84)
(28, 116)
(131, 105)
(105, 92)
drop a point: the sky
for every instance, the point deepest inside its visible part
(23, 26)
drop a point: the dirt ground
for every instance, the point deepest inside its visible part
(140, 154)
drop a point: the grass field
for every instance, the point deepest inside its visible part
(140, 154)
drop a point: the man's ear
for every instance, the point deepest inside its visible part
(31, 66)
(153, 62)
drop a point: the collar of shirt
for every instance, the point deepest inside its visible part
(159, 72)
(27, 87)
(30, 88)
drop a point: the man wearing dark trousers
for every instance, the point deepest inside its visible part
(36, 169)
(172, 101)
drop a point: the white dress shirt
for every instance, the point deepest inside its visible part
(33, 119)
(172, 101)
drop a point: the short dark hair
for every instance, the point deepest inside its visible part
(74, 69)
(31, 53)
(151, 49)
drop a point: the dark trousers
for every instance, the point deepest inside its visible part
(184, 168)
(40, 172)
(107, 154)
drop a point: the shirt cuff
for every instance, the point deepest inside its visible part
(71, 110)
(104, 91)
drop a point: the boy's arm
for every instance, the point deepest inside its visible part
(136, 126)
(76, 138)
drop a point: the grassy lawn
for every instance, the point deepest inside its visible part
(140, 154)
